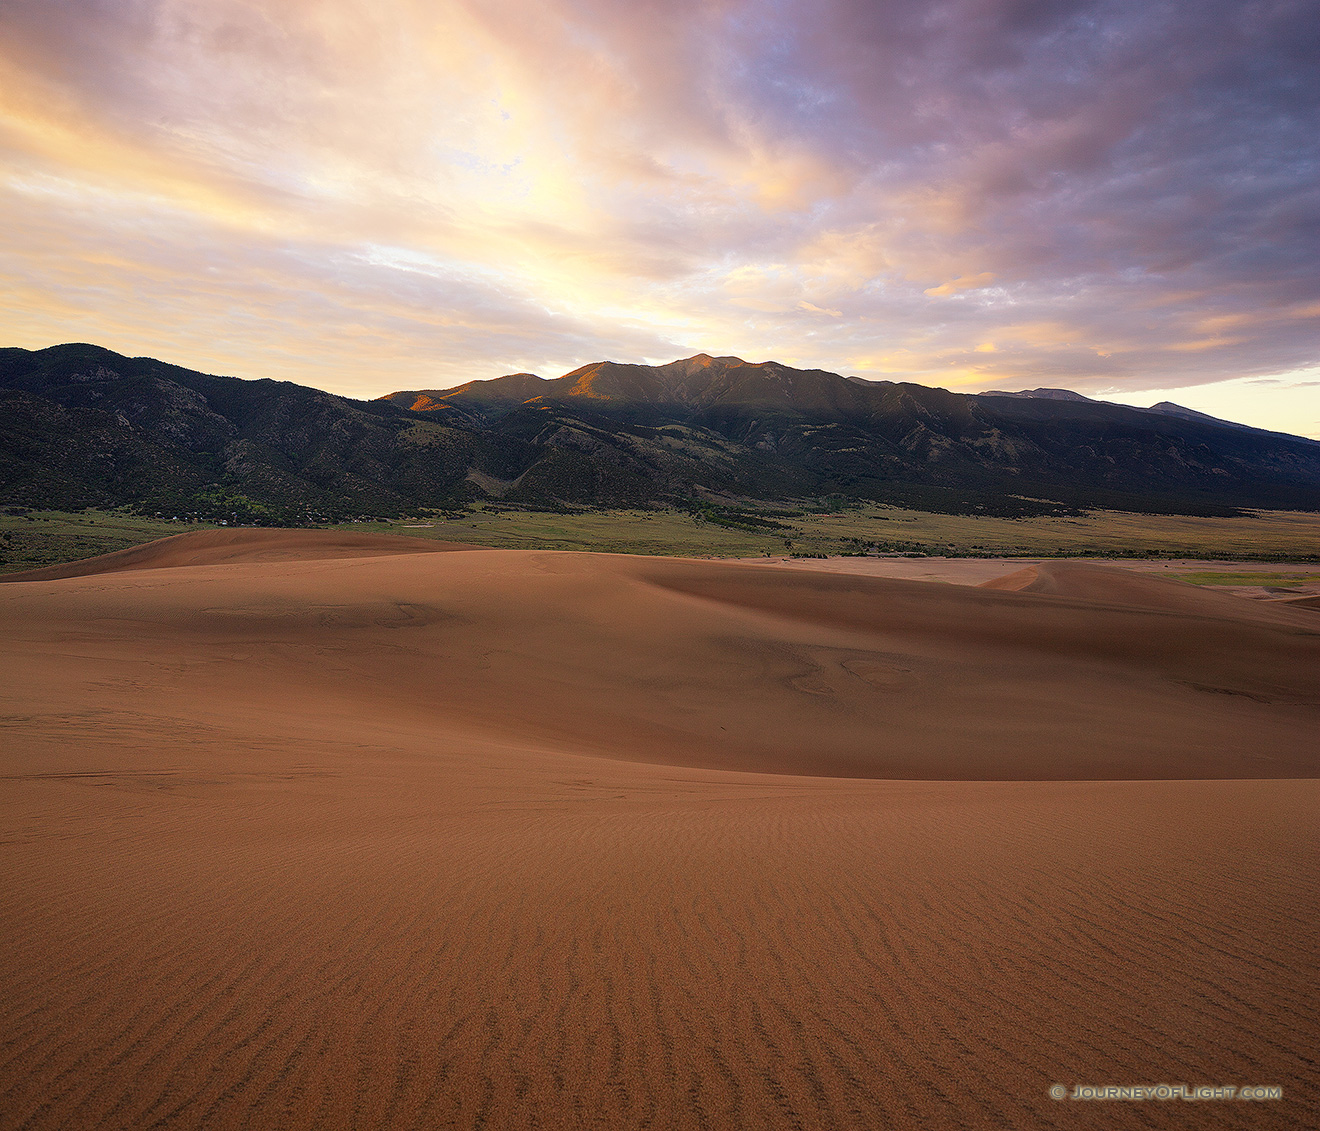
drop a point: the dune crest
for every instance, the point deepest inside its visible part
(240, 545)
(1020, 580)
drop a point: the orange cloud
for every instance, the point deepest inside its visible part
(963, 283)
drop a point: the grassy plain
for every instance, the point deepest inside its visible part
(33, 539)
(1219, 577)
(1265, 535)
(48, 537)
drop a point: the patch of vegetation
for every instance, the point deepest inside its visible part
(30, 539)
(737, 518)
(1214, 577)
(1260, 536)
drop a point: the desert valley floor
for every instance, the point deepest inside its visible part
(347, 831)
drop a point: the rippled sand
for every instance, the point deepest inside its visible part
(313, 832)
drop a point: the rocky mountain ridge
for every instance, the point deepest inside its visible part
(81, 425)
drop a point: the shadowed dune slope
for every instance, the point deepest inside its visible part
(473, 841)
(245, 544)
(1115, 586)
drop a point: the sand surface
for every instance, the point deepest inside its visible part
(298, 839)
(1302, 586)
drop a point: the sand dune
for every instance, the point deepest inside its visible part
(241, 545)
(1136, 590)
(521, 839)
(1300, 580)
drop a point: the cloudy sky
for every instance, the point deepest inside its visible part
(1117, 197)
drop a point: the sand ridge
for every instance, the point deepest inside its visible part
(1122, 587)
(238, 546)
(1301, 579)
(527, 839)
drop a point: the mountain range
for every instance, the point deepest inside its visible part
(82, 426)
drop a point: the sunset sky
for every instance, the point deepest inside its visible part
(1122, 198)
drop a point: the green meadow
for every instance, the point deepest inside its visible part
(1264, 535)
(46, 537)
(39, 538)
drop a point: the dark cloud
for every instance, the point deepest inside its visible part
(1163, 138)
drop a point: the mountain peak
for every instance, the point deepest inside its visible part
(1169, 408)
(707, 359)
(1039, 394)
